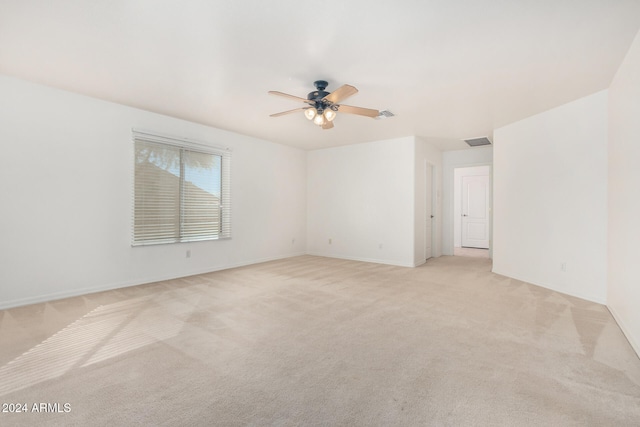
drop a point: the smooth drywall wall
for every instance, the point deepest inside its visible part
(550, 199)
(476, 156)
(361, 201)
(66, 190)
(623, 281)
(427, 154)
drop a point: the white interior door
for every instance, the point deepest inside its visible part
(428, 229)
(475, 211)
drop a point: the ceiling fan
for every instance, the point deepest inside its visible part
(322, 106)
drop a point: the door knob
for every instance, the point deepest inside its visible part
(465, 215)
(431, 216)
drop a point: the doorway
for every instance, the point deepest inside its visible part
(472, 208)
(429, 211)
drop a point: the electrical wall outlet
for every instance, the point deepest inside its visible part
(188, 253)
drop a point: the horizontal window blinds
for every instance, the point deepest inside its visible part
(181, 194)
(201, 204)
(157, 194)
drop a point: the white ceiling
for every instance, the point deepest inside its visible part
(448, 69)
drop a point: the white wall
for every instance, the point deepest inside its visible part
(361, 197)
(425, 154)
(66, 191)
(623, 281)
(550, 198)
(451, 160)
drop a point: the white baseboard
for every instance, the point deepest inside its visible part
(372, 260)
(125, 284)
(635, 344)
(592, 298)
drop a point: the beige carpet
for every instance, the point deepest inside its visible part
(471, 252)
(317, 341)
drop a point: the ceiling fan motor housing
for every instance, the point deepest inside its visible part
(320, 93)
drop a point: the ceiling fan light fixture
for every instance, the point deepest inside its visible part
(319, 119)
(329, 115)
(310, 113)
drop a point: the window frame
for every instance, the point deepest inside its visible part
(185, 145)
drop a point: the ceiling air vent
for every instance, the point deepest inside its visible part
(385, 114)
(476, 142)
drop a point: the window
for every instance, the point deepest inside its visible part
(181, 191)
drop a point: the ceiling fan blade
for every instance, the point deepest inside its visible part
(286, 95)
(283, 113)
(327, 125)
(343, 92)
(358, 110)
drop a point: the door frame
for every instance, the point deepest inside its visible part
(456, 207)
(429, 211)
